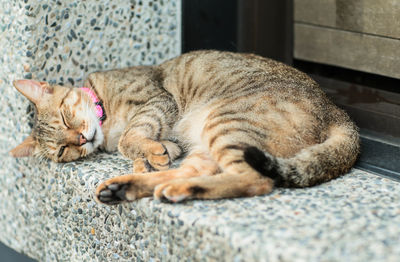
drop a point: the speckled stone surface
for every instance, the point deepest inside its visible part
(47, 210)
(61, 41)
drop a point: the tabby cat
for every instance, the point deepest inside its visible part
(247, 123)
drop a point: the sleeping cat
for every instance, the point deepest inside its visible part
(247, 123)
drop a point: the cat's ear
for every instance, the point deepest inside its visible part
(26, 148)
(33, 90)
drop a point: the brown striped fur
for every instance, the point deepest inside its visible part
(224, 109)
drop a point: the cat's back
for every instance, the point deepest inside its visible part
(200, 76)
(124, 81)
(219, 63)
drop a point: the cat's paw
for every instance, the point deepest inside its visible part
(111, 194)
(177, 191)
(141, 165)
(157, 156)
(116, 190)
(174, 150)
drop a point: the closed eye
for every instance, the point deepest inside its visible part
(61, 152)
(63, 119)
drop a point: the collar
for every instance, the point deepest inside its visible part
(100, 112)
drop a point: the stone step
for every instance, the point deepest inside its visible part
(48, 212)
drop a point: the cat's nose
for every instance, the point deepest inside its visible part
(82, 140)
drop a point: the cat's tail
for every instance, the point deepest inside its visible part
(312, 165)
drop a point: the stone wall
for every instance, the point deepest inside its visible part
(61, 42)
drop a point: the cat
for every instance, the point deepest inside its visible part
(247, 123)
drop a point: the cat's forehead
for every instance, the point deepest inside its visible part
(61, 95)
(71, 96)
(48, 111)
(64, 94)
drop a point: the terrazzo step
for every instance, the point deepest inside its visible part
(48, 212)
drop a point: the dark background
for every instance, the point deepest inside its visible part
(256, 26)
(9, 255)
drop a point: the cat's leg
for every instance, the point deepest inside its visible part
(140, 142)
(135, 186)
(152, 160)
(140, 165)
(147, 132)
(237, 179)
(148, 154)
(223, 185)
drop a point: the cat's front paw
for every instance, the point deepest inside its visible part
(120, 189)
(141, 165)
(157, 156)
(111, 194)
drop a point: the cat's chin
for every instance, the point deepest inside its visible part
(97, 140)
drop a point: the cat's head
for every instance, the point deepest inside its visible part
(66, 126)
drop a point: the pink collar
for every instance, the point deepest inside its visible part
(100, 112)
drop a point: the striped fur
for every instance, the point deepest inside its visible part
(244, 121)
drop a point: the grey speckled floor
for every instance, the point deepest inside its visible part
(47, 211)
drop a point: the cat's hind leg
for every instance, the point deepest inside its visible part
(134, 186)
(223, 185)
(236, 179)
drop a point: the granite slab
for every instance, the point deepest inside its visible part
(48, 212)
